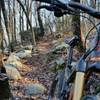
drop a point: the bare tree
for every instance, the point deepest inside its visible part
(14, 21)
(76, 29)
(5, 20)
(39, 19)
(33, 34)
(1, 32)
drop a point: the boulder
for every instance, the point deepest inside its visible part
(34, 89)
(12, 72)
(14, 60)
(59, 47)
(23, 53)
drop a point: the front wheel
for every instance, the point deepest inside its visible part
(56, 87)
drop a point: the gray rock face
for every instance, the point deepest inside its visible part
(34, 89)
(12, 72)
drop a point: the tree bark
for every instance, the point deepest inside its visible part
(5, 19)
(14, 19)
(77, 30)
(1, 32)
(33, 34)
(20, 19)
(40, 20)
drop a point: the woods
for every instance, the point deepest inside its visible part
(32, 43)
(14, 22)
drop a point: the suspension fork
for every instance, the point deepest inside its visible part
(79, 83)
(79, 79)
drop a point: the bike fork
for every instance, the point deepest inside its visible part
(79, 82)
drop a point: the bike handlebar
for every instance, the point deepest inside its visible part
(73, 6)
(88, 10)
(57, 11)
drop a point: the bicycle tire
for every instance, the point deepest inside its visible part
(56, 87)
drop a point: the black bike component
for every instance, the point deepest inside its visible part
(50, 8)
(74, 5)
(86, 9)
(45, 1)
(56, 85)
(57, 11)
(65, 88)
(73, 42)
(53, 87)
(61, 81)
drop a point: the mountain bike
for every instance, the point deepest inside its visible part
(72, 80)
(59, 76)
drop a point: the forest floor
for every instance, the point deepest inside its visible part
(39, 72)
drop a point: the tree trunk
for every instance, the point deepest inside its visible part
(5, 19)
(1, 32)
(14, 7)
(13, 33)
(27, 10)
(40, 20)
(93, 5)
(76, 29)
(20, 20)
(33, 34)
(4, 85)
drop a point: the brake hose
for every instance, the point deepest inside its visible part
(94, 26)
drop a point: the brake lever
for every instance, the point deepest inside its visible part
(49, 8)
(58, 12)
(45, 1)
(46, 7)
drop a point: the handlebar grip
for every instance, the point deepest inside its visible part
(86, 9)
(45, 1)
(71, 6)
(46, 7)
(57, 11)
(54, 2)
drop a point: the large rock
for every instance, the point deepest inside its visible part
(59, 47)
(34, 89)
(12, 72)
(12, 57)
(57, 64)
(14, 60)
(23, 53)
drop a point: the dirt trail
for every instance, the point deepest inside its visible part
(39, 72)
